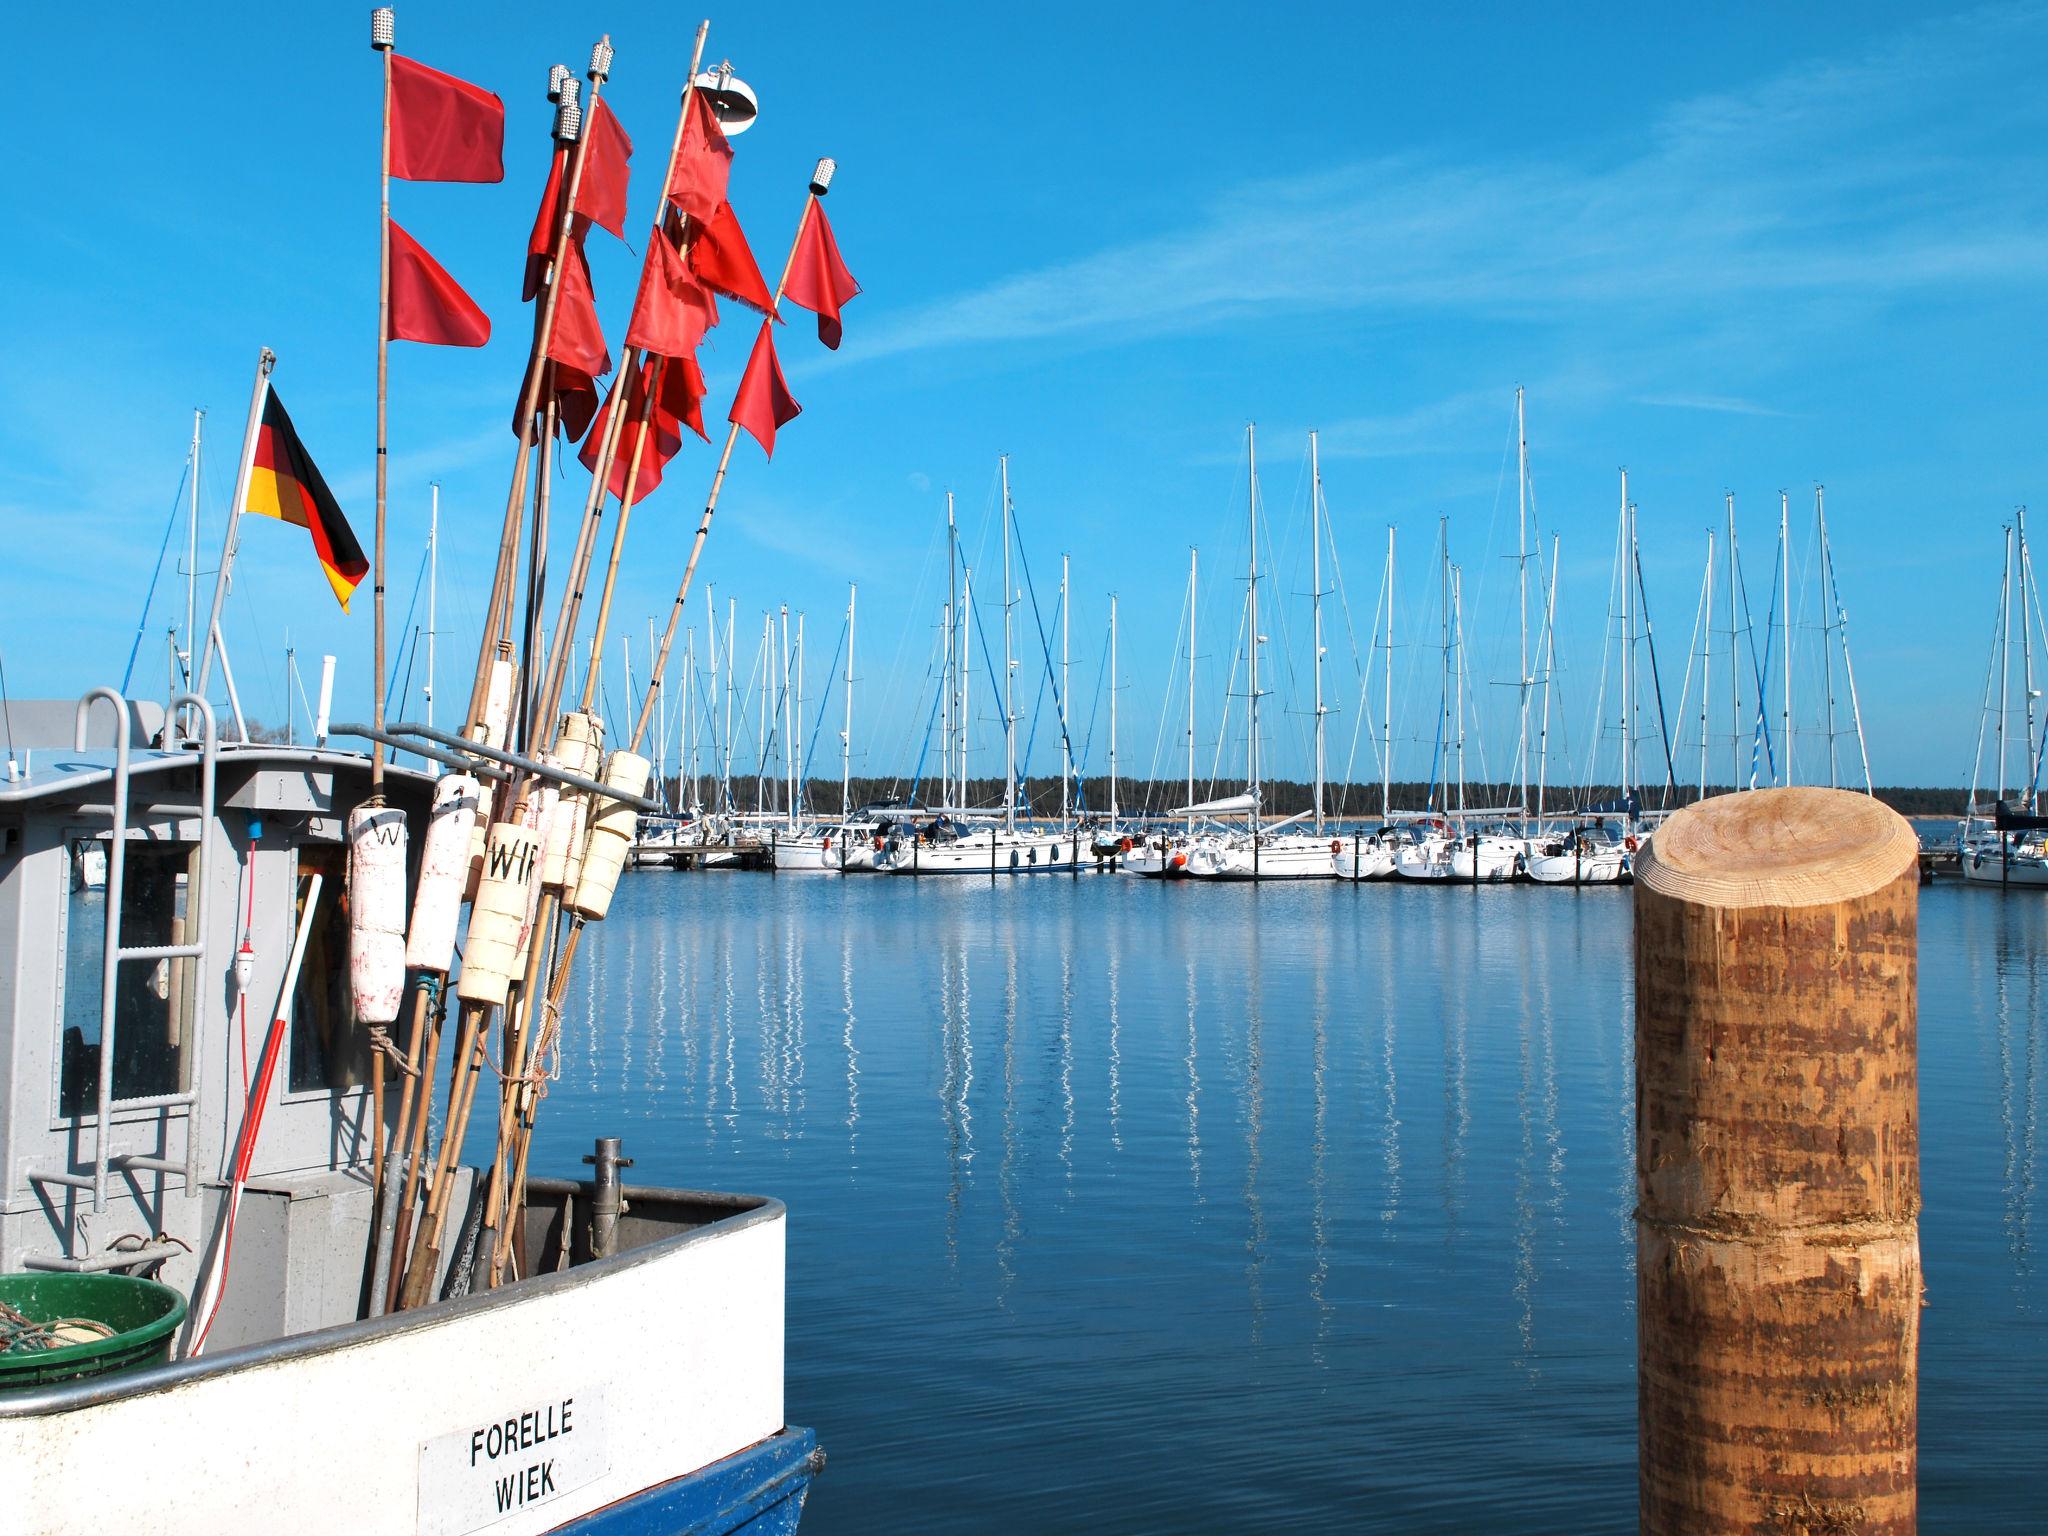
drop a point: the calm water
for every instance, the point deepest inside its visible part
(1117, 1205)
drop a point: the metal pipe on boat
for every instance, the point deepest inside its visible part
(539, 767)
(607, 1204)
(1778, 1277)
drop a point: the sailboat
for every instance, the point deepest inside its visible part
(948, 840)
(2006, 844)
(1267, 852)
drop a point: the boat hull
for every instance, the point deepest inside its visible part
(601, 1397)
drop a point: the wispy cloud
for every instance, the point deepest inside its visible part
(1730, 405)
(1856, 180)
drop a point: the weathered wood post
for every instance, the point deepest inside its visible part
(1777, 1167)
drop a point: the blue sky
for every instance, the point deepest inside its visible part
(1748, 249)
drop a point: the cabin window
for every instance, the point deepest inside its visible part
(153, 1005)
(328, 1050)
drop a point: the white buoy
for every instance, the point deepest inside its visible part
(576, 751)
(437, 904)
(611, 836)
(376, 911)
(497, 702)
(490, 958)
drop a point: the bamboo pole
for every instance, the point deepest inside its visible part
(543, 337)
(1777, 1162)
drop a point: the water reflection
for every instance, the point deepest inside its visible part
(1422, 1148)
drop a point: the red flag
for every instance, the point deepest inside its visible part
(818, 279)
(682, 394)
(442, 128)
(426, 303)
(696, 182)
(672, 310)
(577, 339)
(540, 245)
(719, 256)
(601, 195)
(764, 403)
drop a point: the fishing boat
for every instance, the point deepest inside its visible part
(566, 1397)
(309, 1314)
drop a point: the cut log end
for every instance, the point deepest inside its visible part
(1794, 847)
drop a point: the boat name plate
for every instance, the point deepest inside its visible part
(534, 1451)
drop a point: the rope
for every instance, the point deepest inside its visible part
(19, 1334)
(380, 1040)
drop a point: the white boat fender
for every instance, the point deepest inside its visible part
(611, 836)
(490, 960)
(444, 861)
(543, 809)
(376, 910)
(576, 751)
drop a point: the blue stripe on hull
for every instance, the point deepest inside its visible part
(759, 1491)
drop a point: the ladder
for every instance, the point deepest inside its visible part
(114, 954)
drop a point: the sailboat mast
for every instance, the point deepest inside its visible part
(192, 554)
(2005, 659)
(1706, 659)
(1387, 693)
(1785, 596)
(1549, 667)
(1009, 669)
(949, 675)
(1066, 744)
(965, 614)
(1833, 597)
(1443, 724)
(732, 619)
(2025, 568)
(433, 595)
(1522, 592)
(1193, 556)
(1734, 673)
(1112, 711)
(1458, 638)
(1315, 534)
(846, 730)
(1628, 638)
(1252, 600)
(1827, 628)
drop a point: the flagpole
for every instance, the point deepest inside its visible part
(593, 510)
(570, 120)
(383, 37)
(265, 361)
(821, 182)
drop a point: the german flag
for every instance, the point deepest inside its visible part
(285, 484)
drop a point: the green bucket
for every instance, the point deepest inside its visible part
(143, 1314)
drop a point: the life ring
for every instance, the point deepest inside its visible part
(1336, 845)
(828, 842)
(1630, 845)
(1124, 846)
(880, 842)
(1180, 861)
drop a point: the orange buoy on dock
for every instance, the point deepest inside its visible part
(1778, 1280)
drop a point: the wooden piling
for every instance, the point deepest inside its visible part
(1777, 1167)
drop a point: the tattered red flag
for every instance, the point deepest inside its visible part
(442, 128)
(672, 310)
(818, 279)
(601, 195)
(763, 404)
(720, 257)
(677, 404)
(426, 303)
(576, 347)
(682, 394)
(703, 163)
(540, 245)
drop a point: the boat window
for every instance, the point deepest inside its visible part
(153, 1002)
(329, 1051)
